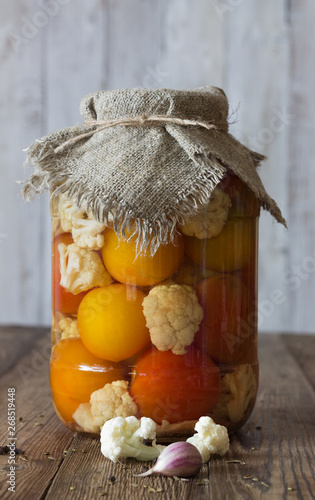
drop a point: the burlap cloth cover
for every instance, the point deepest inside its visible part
(153, 174)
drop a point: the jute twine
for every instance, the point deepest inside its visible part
(139, 121)
(146, 158)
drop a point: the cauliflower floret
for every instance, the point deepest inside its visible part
(173, 315)
(69, 328)
(123, 437)
(210, 219)
(113, 400)
(87, 233)
(210, 438)
(238, 389)
(68, 212)
(85, 419)
(81, 269)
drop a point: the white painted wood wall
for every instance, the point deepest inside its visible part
(53, 52)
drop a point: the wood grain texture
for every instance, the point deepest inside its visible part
(23, 297)
(192, 52)
(14, 342)
(261, 53)
(272, 457)
(302, 349)
(257, 46)
(301, 165)
(37, 431)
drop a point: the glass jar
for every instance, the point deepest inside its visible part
(171, 336)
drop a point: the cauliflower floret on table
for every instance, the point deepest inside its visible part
(210, 438)
(113, 400)
(123, 437)
(81, 269)
(69, 328)
(209, 219)
(238, 389)
(173, 315)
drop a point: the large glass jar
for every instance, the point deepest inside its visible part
(171, 336)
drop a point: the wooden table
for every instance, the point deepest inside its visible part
(271, 457)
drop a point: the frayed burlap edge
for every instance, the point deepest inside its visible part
(210, 153)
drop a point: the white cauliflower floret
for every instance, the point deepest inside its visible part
(113, 400)
(123, 437)
(68, 212)
(69, 328)
(81, 269)
(210, 219)
(173, 315)
(87, 233)
(85, 419)
(238, 389)
(210, 438)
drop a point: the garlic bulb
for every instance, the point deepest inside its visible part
(180, 459)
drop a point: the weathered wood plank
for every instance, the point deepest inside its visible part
(75, 45)
(285, 412)
(133, 43)
(301, 176)
(15, 341)
(37, 427)
(256, 78)
(21, 111)
(276, 445)
(192, 50)
(301, 347)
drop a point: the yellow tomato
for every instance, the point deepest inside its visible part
(126, 265)
(75, 373)
(228, 251)
(111, 322)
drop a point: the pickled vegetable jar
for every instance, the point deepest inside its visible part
(171, 336)
(155, 212)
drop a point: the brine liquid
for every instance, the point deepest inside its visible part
(116, 313)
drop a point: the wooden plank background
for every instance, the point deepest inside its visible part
(53, 52)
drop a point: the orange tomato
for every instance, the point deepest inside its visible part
(174, 387)
(75, 373)
(126, 265)
(111, 322)
(223, 334)
(228, 251)
(62, 300)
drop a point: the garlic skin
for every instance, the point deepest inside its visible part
(179, 459)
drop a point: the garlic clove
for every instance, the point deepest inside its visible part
(180, 459)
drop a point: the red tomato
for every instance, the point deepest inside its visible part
(173, 387)
(224, 333)
(62, 300)
(243, 200)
